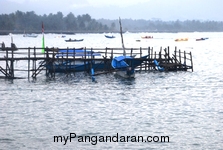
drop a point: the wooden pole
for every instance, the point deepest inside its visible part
(74, 62)
(53, 62)
(166, 68)
(6, 63)
(28, 63)
(191, 62)
(106, 52)
(67, 62)
(175, 55)
(185, 61)
(123, 47)
(12, 64)
(85, 60)
(151, 59)
(180, 59)
(47, 61)
(140, 58)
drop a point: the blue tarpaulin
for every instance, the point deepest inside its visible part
(76, 52)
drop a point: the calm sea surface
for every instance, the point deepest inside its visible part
(186, 106)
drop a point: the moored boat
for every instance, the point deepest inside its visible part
(201, 39)
(146, 37)
(125, 65)
(76, 60)
(30, 35)
(181, 39)
(74, 40)
(110, 36)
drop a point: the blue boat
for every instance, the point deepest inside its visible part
(125, 65)
(76, 60)
(201, 39)
(110, 36)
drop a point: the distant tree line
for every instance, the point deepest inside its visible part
(165, 26)
(31, 22)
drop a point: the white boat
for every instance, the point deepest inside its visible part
(30, 35)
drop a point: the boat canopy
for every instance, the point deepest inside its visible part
(120, 58)
(119, 62)
(76, 52)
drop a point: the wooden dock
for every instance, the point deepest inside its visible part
(36, 62)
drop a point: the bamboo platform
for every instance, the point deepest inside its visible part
(35, 61)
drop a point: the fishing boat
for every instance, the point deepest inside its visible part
(125, 65)
(77, 60)
(146, 37)
(110, 36)
(182, 39)
(74, 40)
(30, 35)
(201, 39)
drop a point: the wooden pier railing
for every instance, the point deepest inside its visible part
(34, 62)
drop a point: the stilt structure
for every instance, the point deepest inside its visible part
(49, 61)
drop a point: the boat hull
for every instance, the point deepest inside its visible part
(125, 74)
(30, 35)
(75, 40)
(125, 65)
(78, 66)
(110, 37)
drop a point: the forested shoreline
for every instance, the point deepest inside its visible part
(19, 22)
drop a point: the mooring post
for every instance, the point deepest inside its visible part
(52, 62)
(85, 69)
(165, 59)
(185, 60)
(168, 54)
(28, 62)
(151, 59)
(147, 62)
(180, 59)
(67, 62)
(175, 55)
(74, 61)
(6, 62)
(160, 57)
(140, 52)
(140, 58)
(155, 55)
(111, 53)
(33, 64)
(47, 61)
(106, 52)
(191, 62)
(160, 52)
(12, 63)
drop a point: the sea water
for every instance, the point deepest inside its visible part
(72, 112)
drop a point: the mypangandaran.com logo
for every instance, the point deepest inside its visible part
(115, 138)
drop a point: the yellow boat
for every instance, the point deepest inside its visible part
(182, 39)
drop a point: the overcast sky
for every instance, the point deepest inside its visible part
(113, 9)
